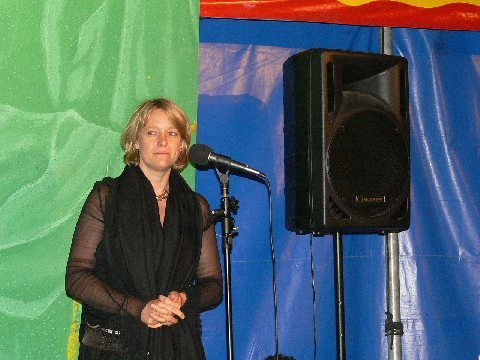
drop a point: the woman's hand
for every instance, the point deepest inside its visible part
(180, 298)
(160, 312)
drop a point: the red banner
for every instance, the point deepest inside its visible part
(451, 15)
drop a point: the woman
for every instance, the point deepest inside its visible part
(142, 263)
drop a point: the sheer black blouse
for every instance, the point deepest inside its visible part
(83, 286)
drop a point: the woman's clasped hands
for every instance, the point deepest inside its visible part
(164, 311)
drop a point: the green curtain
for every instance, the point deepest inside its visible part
(71, 73)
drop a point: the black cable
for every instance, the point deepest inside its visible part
(274, 266)
(312, 269)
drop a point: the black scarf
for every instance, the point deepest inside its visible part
(140, 257)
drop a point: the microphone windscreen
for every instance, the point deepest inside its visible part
(199, 154)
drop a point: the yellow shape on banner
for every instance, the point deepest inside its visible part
(72, 345)
(417, 3)
(193, 127)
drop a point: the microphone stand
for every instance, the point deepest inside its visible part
(229, 205)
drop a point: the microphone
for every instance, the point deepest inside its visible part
(204, 156)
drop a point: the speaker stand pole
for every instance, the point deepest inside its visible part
(393, 325)
(339, 304)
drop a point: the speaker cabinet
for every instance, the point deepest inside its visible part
(347, 143)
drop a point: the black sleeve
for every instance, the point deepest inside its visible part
(80, 282)
(208, 288)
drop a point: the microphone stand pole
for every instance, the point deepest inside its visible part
(229, 231)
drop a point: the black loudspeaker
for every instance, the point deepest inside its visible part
(347, 142)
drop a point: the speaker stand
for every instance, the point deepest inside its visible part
(339, 304)
(393, 324)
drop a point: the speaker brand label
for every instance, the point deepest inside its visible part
(370, 199)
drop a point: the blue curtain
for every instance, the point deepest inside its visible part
(241, 115)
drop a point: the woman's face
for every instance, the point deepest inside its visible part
(159, 143)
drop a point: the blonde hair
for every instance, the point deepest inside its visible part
(138, 120)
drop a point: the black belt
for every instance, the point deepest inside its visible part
(98, 337)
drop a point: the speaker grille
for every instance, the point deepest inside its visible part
(367, 163)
